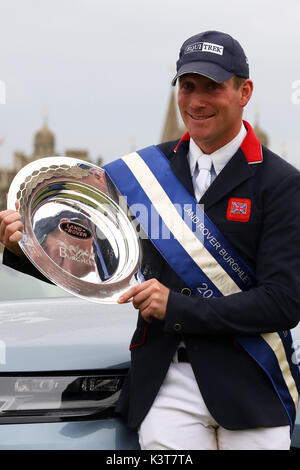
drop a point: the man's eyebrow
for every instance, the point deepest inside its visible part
(186, 79)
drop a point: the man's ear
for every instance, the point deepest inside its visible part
(246, 91)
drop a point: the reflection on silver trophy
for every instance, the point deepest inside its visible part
(75, 230)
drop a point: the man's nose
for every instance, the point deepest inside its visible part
(197, 100)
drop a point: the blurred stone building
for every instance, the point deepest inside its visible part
(262, 136)
(172, 129)
(43, 146)
(6, 177)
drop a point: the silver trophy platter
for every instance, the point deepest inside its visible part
(77, 229)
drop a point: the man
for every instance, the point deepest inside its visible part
(210, 371)
(219, 396)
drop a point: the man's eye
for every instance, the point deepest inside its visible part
(213, 86)
(187, 86)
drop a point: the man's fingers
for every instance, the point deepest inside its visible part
(142, 297)
(11, 216)
(150, 298)
(3, 222)
(125, 297)
(144, 306)
(124, 301)
(133, 291)
(15, 237)
(11, 229)
(3, 214)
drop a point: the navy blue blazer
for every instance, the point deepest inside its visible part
(237, 392)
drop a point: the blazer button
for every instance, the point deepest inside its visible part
(186, 291)
(177, 327)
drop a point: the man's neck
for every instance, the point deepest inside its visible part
(221, 156)
(210, 147)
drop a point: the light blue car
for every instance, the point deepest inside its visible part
(62, 364)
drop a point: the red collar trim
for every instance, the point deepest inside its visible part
(185, 137)
(251, 146)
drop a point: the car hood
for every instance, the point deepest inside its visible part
(64, 334)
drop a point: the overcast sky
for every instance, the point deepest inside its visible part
(102, 69)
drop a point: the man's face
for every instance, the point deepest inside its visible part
(211, 111)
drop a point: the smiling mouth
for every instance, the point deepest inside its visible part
(200, 118)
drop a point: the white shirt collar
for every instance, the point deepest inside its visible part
(221, 156)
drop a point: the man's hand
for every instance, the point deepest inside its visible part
(150, 298)
(11, 228)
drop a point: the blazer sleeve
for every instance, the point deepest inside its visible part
(274, 304)
(23, 265)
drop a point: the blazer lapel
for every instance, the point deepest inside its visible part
(233, 174)
(180, 166)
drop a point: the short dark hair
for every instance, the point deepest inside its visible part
(238, 81)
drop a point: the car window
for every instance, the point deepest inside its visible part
(17, 286)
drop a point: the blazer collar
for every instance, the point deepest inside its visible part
(180, 165)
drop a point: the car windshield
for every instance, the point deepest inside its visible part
(17, 286)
